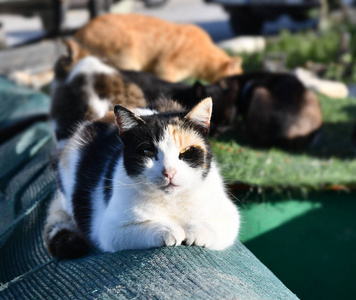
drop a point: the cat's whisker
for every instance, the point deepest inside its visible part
(237, 199)
(127, 186)
(122, 183)
(115, 183)
(135, 183)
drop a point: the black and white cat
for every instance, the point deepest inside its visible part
(147, 180)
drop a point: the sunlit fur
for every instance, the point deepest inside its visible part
(140, 206)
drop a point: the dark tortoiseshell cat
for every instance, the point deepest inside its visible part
(276, 108)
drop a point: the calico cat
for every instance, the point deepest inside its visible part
(87, 90)
(147, 180)
(152, 87)
(143, 43)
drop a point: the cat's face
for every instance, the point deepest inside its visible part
(166, 153)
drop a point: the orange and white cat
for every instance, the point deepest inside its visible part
(143, 43)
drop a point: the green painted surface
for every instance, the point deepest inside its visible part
(309, 244)
(260, 218)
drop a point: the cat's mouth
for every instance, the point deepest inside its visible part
(169, 187)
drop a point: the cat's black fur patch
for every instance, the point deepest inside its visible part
(108, 179)
(69, 106)
(194, 157)
(155, 88)
(201, 160)
(68, 244)
(103, 140)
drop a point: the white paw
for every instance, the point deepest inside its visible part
(200, 235)
(168, 235)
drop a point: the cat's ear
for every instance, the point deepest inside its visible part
(126, 119)
(201, 114)
(74, 50)
(70, 47)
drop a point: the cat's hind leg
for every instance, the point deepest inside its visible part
(61, 234)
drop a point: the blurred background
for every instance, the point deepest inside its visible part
(280, 34)
(298, 208)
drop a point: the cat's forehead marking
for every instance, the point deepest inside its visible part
(185, 137)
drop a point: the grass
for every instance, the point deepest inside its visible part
(322, 48)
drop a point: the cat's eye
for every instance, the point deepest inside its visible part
(188, 151)
(193, 155)
(149, 153)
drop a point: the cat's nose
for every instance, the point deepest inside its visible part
(169, 173)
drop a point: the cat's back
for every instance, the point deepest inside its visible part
(114, 32)
(120, 30)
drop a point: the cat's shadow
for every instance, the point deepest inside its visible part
(350, 110)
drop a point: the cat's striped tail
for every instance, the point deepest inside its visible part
(62, 236)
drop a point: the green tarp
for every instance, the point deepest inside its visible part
(28, 271)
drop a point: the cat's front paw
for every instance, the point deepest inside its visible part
(169, 235)
(199, 234)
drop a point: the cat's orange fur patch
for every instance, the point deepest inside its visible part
(184, 138)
